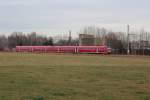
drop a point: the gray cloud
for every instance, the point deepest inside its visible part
(61, 15)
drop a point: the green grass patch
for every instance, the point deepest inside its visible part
(73, 77)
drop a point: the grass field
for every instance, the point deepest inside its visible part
(73, 77)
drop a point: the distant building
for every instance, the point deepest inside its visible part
(86, 40)
(140, 47)
(91, 40)
(144, 44)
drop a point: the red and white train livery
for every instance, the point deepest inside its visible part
(63, 49)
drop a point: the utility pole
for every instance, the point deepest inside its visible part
(128, 40)
(69, 38)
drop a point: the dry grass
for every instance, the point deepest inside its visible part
(73, 77)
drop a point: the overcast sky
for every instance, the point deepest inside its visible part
(56, 16)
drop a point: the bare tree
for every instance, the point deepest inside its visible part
(3, 43)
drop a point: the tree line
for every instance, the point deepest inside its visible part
(8, 43)
(117, 41)
(138, 43)
(20, 39)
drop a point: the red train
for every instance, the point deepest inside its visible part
(63, 49)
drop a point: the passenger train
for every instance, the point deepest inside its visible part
(64, 49)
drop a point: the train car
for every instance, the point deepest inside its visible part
(63, 49)
(23, 48)
(93, 49)
(66, 49)
(52, 49)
